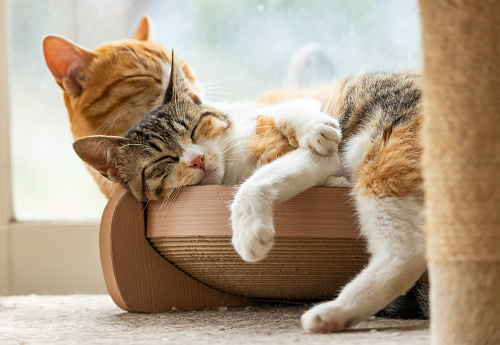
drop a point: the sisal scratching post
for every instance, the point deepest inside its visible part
(461, 162)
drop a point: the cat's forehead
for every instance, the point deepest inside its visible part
(134, 49)
(162, 128)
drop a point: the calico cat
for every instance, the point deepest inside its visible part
(287, 148)
(380, 116)
(108, 90)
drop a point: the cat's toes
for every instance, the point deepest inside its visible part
(323, 139)
(255, 248)
(253, 230)
(326, 317)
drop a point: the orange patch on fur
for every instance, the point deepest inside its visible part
(268, 142)
(209, 127)
(391, 167)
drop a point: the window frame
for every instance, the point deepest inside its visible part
(39, 257)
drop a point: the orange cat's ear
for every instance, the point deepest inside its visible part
(101, 153)
(143, 31)
(67, 62)
(178, 85)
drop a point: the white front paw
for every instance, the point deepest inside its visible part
(327, 317)
(253, 230)
(323, 138)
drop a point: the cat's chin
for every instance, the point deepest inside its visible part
(212, 177)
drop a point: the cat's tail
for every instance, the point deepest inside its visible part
(412, 305)
(309, 67)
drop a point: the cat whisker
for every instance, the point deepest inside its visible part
(145, 207)
(165, 200)
(169, 201)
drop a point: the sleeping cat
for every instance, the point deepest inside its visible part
(108, 90)
(380, 117)
(287, 147)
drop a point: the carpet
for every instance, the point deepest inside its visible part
(95, 319)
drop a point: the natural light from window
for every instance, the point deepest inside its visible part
(238, 50)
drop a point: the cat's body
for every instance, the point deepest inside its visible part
(109, 89)
(380, 116)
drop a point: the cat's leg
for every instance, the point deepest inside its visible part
(393, 229)
(252, 208)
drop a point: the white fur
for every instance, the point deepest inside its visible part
(354, 150)
(252, 208)
(315, 162)
(393, 229)
(315, 131)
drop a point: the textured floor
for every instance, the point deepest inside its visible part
(95, 319)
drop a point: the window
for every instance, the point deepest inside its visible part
(238, 50)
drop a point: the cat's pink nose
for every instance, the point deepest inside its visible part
(197, 162)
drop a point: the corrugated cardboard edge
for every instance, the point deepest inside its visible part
(137, 277)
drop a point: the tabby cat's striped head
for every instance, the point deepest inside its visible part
(175, 145)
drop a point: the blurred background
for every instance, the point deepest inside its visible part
(238, 50)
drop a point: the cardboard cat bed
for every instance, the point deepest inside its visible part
(161, 257)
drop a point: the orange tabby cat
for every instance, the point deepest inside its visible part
(109, 89)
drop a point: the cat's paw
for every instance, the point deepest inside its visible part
(323, 138)
(337, 181)
(253, 230)
(327, 317)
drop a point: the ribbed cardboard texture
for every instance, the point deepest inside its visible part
(194, 265)
(316, 252)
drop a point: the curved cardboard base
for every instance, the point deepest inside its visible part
(137, 277)
(318, 225)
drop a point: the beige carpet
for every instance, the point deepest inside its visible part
(95, 319)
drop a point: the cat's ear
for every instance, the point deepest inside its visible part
(178, 85)
(144, 30)
(101, 153)
(67, 61)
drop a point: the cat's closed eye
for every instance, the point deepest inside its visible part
(166, 159)
(144, 76)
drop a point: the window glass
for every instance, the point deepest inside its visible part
(238, 50)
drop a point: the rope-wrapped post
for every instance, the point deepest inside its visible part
(461, 164)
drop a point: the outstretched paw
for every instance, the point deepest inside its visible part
(323, 139)
(327, 317)
(253, 231)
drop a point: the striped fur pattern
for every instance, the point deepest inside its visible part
(380, 116)
(108, 90)
(186, 142)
